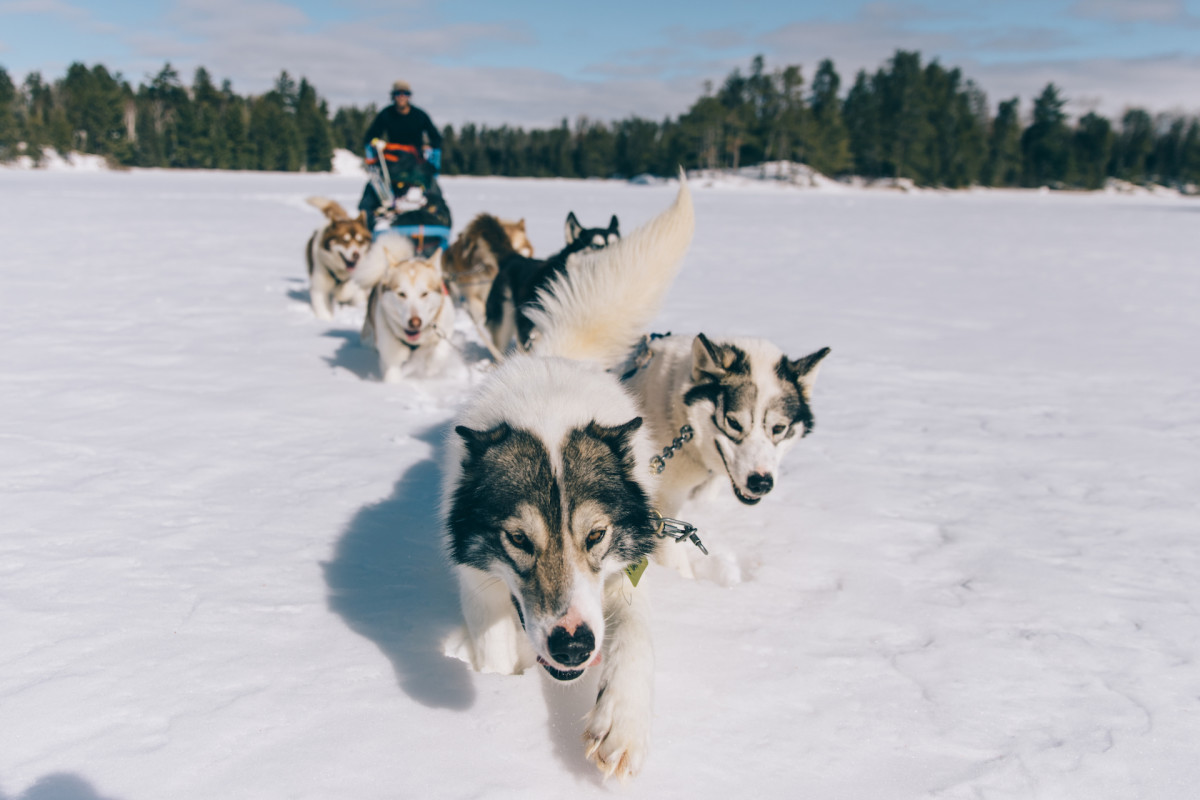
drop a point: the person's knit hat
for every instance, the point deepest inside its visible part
(401, 86)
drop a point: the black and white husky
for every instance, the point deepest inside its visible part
(519, 280)
(547, 494)
(744, 404)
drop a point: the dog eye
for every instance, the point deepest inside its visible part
(778, 429)
(519, 541)
(733, 424)
(424, 295)
(402, 295)
(595, 537)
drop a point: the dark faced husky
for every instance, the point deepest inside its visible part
(547, 495)
(332, 254)
(519, 280)
(746, 404)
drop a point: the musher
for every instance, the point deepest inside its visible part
(401, 123)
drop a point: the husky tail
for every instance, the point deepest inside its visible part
(330, 208)
(601, 305)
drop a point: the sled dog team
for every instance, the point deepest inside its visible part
(585, 436)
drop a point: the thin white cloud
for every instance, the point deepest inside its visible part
(1155, 11)
(59, 10)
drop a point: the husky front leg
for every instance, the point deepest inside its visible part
(618, 727)
(393, 354)
(320, 294)
(493, 640)
(350, 293)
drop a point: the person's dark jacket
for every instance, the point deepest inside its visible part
(399, 128)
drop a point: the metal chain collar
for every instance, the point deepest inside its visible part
(659, 463)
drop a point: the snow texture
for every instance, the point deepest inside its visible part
(220, 572)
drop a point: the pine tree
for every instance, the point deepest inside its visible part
(829, 151)
(8, 117)
(1002, 167)
(862, 113)
(1045, 144)
(1091, 146)
(1133, 146)
(312, 128)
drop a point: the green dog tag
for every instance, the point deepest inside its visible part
(634, 571)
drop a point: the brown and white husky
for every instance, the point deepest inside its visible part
(333, 253)
(410, 317)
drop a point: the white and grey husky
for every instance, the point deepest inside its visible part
(547, 493)
(740, 404)
(410, 317)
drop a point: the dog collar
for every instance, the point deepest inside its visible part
(659, 462)
(665, 528)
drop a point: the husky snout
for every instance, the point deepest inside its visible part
(760, 483)
(571, 646)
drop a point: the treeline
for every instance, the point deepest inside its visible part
(910, 120)
(164, 124)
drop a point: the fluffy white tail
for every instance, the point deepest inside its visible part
(387, 249)
(601, 305)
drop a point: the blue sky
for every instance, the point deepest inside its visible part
(532, 62)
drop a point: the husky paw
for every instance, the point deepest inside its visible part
(497, 650)
(617, 736)
(722, 569)
(674, 555)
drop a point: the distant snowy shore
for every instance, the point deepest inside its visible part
(782, 174)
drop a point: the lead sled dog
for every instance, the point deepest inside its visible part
(547, 496)
(735, 407)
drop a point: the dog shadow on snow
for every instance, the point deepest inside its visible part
(353, 356)
(390, 581)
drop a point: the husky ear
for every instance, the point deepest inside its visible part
(521, 223)
(479, 441)
(617, 436)
(613, 225)
(573, 228)
(804, 370)
(362, 217)
(435, 260)
(709, 362)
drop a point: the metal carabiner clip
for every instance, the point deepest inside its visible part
(678, 530)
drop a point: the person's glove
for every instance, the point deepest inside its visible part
(377, 146)
(434, 156)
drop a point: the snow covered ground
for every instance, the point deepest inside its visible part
(979, 578)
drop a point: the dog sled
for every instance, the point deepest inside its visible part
(409, 200)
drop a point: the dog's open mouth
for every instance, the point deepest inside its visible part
(748, 499)
(567, 674)
(560, 674)
(412, 334)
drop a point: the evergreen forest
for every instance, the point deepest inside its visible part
(907, 120)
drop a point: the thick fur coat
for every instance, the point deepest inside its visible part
(547, 498)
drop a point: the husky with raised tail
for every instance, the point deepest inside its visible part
(744, 404)
(548, 499)
(332, 255)
(410, 317)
